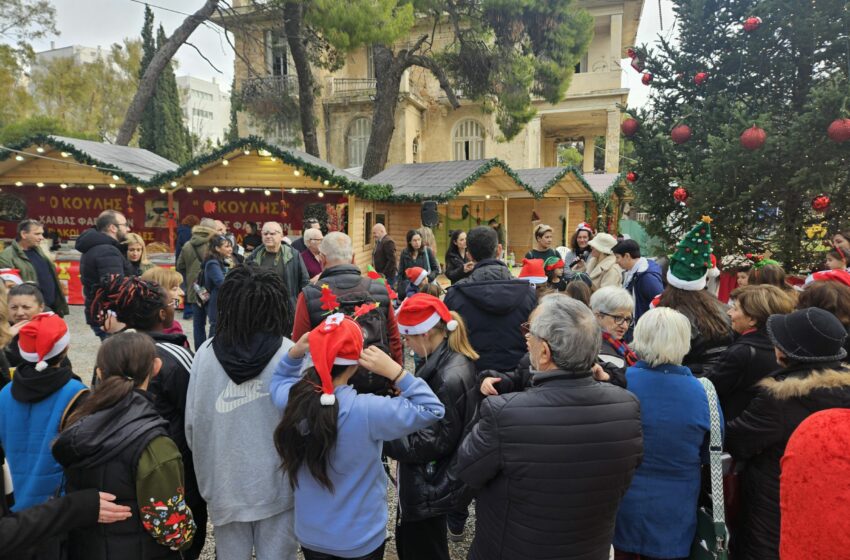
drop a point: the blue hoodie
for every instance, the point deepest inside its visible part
(351, 521)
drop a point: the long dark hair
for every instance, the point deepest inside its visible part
(135, 302)
(454, 235)
(125, 361)
(252, 300)
(410, 235)
(216, 241)
(307, 433)
(701, 308)
(574, 242)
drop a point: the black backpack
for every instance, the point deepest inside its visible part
(374, 327)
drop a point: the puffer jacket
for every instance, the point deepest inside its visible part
(759, 436)
(745, 362)
(551, 464)
(425, 456)
(493, 304)
(192, 257)
(289, 265)
(102, 257)
(604, 272)
(706, 352)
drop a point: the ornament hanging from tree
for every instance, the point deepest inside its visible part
(681, 194)
(630, 127)
(680, 133)
(820, 203)
(700, 78)
(631, 176)
(753, 138)
(839, 130)
(646, 79)
(631, 53)
(751, 24)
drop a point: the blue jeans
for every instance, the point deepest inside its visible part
(187, 307)
(199, 323)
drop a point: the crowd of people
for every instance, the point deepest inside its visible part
(582, 405)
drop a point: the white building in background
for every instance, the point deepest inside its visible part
(206, 109)
(79, 54)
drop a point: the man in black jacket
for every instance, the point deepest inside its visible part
(102, 257)
(553, 462)
(492, 303)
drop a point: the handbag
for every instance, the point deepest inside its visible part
(711, 541)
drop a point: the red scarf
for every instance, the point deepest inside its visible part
(622, 349)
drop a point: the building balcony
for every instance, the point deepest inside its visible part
(270, 86)
(351, 86)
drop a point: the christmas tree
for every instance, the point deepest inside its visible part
(692, 259)
(757, 84)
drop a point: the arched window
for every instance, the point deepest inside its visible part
(357, 140)
(468, 140)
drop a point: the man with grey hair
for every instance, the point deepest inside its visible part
(552, 463)
(343, 278)
(312, 238)
(283, 259)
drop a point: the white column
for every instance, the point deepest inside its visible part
(616, 51)
(589, 152)
(612, 142)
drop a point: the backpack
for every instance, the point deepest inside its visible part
(374, 327)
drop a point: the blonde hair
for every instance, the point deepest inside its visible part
(458, 338)
(428, 239)
(541, 229)
(5, 332)
(168, 278)
(136, 239)
(760, 301)
(662, 336)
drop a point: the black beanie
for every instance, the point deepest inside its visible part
(808, 335)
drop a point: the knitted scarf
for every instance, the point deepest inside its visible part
(622, 349)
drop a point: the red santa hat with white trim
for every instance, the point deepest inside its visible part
(421, 312)
(533, 271)
(416, 275)
(11, 275)
(44, 337)
(338, 340)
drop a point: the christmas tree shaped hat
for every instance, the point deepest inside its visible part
(692, 259)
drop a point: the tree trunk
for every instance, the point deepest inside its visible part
(293, 24)
(163, 56)
(388, 71)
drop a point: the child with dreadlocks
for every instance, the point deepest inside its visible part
(147, 307)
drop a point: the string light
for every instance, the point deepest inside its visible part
(111, 185)
(40, 150)
(225, 162)
(196, 172)
(321, 194)
(91, 187)
(264, 153)
(140, 190)
(487, 196)
(162, 190)
(173, 183)
(39, 184)
(241, 191)
(19, 157)
(115, 177)
(189, 189)
(18, 184)
(267, 192)
(247, 152)
(273, 158)
(215, 189)
(296, 173)
(327, 182)
(65, 154)
(293, 190)
(63, 186)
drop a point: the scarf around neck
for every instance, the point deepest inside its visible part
(621, 348)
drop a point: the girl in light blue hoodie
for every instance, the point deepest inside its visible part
(330, 438)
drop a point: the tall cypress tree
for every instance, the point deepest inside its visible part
(147, 126)
(171, 136)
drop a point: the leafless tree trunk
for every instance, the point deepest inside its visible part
(293, 25)
(163, 56)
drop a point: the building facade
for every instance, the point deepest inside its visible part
(206, 109)
(427, 128)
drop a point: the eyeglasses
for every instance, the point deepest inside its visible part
(619, 320)
(120, 225)
(525, 328)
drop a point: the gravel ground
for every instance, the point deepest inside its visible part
(83, 351)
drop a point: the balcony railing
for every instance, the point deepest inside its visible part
(270, 86)
(350, 86)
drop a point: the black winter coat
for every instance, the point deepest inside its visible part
(425, 456)
(705, 352)
(552, 464)
(494, 305)
(745, 362)
(102, 257)
(425, 259)
(454, 265)
(759, 436)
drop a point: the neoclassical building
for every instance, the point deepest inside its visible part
(427, 128)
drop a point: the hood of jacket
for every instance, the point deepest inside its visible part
(488, 269)
(201, 235)
(92, 238)
(31, 386)
(496, 297)
(101, 436)
(802, 380)
(173, 338)
(597, 266)
(244, 362)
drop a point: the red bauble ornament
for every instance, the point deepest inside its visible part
(839, 130)
(630, 127)
(631, 176)
(209, 207)
(749, 256)
(751, 24)
(631, 53)
(680, 194)
(646, 79)
(820, 203)
(700, 77)
(680, 133)
(753, 138)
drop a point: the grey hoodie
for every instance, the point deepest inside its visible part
(229, 429)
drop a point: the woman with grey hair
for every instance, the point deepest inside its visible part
(658, 515)
(613, 308)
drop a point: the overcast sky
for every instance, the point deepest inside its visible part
(104, 22)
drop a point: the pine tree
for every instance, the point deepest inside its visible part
(172, 138)
(147, 126)
(789, 76)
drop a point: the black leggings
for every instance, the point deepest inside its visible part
(377, 554)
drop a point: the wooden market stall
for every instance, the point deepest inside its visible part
(469, 193)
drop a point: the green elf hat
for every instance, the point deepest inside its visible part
(692, 259)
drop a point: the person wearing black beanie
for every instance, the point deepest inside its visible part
(809, 345)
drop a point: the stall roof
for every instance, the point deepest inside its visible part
(59, 159)
(544, 179)
(446, 180)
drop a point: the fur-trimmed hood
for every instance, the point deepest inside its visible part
(802, 383)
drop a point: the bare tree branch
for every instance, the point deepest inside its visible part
(430, 64)
(202, 55)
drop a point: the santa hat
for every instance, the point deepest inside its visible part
(45, 336)
(338, 340)
(11, 275)
(421, 312)
(532, 270)
(584, 226)
(416, 275)
(830, 275)
(692, 260)
(553, 263)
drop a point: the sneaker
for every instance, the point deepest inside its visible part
(456, 537)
